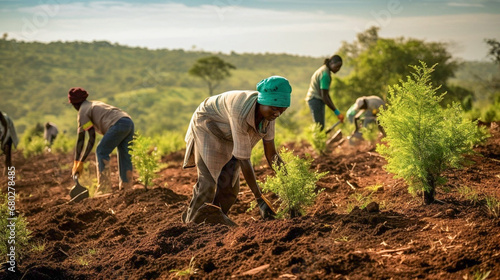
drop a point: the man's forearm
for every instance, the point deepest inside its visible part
(79, 145)
(249, 174)
(90, 144)
(325, 95)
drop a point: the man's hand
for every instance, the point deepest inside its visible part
(77, 168)
(341, 117)
(265, 208)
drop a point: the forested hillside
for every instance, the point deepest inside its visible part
(153, 86)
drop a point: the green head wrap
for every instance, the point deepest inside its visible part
(274, 91)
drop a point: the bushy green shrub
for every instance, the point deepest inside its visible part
(22, 233)
(317, 138)
(169, 142)
(370, 132)
(424, 139)
(257, 155)
(492, 113)
(145, 158)
(294, 183)
(63, 144)
(33, 147)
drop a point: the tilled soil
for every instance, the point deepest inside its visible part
(139, 235)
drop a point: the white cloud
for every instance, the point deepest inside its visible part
(466, 31)
(466, 5)
(228, 28)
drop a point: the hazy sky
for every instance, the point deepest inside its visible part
(314, 28)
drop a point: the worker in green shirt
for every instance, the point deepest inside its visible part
(318, 94)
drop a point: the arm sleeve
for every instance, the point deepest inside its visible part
(325, 81)
(84, 121)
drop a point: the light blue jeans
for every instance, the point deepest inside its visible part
(317, 107)
(118, 136)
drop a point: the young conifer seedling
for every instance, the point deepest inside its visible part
(424, 139)
(294, 183)
(145, 159)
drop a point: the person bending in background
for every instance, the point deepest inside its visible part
(318, 94)
(219, 141)
(366, 107)
(50, 133)
(117, 129)
(8, 137)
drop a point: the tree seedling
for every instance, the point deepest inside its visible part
(423, 139)
(294, 183)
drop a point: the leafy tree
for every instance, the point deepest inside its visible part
(494, 49)
(377, 62)
(365, 40)
(424, 139)
(212, 70)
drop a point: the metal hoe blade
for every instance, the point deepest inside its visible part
(78, 192)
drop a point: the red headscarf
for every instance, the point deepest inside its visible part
(77, 95)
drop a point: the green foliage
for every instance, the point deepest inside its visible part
(490, 115)
(147, 84)
(32, 142)
(22, 233)
(493, 205)
(144, 158)
(190, 270)
(252, 206)
(360, 200)
(294, 183)
(212, 70)
(494, 50)
(317, 138)
(154, 86)
(423, 139)
(370, 132)
(156, 111)
(377, 62)
(257, 155)
(35, 146)
(468, 193)
(91, 185)
(85, 258)
(63, 144)
(375, 188)
(169, 142)
(477, 275)
(39, 246)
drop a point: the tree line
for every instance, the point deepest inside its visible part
(155, 86)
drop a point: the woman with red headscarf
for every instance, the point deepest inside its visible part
(117, 129)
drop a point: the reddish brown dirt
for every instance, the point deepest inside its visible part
(138, 234)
